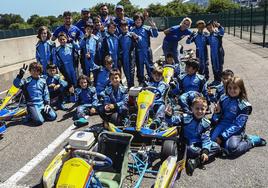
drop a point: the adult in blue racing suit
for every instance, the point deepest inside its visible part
(85, 20)
(71, 31)
(174, 35)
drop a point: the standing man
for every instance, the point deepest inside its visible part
(104, 14)
(72, 32)
(174, 35)
(120, 15)
(85, 19)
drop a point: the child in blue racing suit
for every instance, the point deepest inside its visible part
(196, 132)
(115, 100)
(216, 91)
(44, 48)
(159, 103)
(142, 51)
(101, 75)
(127, 42)
(36, 94)
(216, 48)
(89, 50)
(86, 97)
(56, 86)
(63, 58)
(231, 115)
(200, 40)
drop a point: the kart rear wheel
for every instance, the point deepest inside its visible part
(169, 148)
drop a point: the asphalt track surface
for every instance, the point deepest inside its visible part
(22, 143)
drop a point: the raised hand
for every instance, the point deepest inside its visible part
(22, 71)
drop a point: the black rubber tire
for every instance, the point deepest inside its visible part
(169, 148)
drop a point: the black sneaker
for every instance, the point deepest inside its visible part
(190, 166)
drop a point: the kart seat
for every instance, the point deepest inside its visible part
(109, 179)
(116, 146)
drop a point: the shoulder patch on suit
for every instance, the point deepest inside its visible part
(187, 118)
(242, 104)
(205, 123)
(29, 79)
(77, 90)
(201, 77)
(182, 76)
(223, 97)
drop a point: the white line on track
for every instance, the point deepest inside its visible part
(47, 151)
(3, 92)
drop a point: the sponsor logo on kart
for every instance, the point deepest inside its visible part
(142, 106)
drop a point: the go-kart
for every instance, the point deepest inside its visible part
(147, 138)
(85, 164)
(11, 106)
(138, 122)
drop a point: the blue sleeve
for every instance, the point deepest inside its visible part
(75, 97)
(183, 102)
(37, 54)
(123, 103)
(18, 83)
(154, 32)
(46, 94)
(174, 29)
(206, 142)
(221, 31)
(95, 102)
(63, 83)
(238, 124)
(173, 120)
(190, 39)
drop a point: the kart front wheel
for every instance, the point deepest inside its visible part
(169, 148)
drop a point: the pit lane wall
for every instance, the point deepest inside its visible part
(17, 50)
(14, 52)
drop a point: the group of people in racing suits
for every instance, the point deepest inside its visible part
(106, 45)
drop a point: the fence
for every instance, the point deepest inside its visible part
(247, 23)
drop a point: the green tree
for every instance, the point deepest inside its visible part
(7, 19)
(41, 21)
(216, 6)
(32, 18)
(19, 26)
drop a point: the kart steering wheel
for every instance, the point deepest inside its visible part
(154, 90)
(104, 162)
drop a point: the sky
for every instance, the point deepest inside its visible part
(26, 8)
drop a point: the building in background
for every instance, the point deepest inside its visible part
(247, 3)
(203, 3)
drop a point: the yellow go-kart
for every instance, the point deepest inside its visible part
(11, 107)
(84, 164)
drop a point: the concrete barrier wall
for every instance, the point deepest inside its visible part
(16, 50)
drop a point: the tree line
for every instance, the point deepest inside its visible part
(174, 8)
